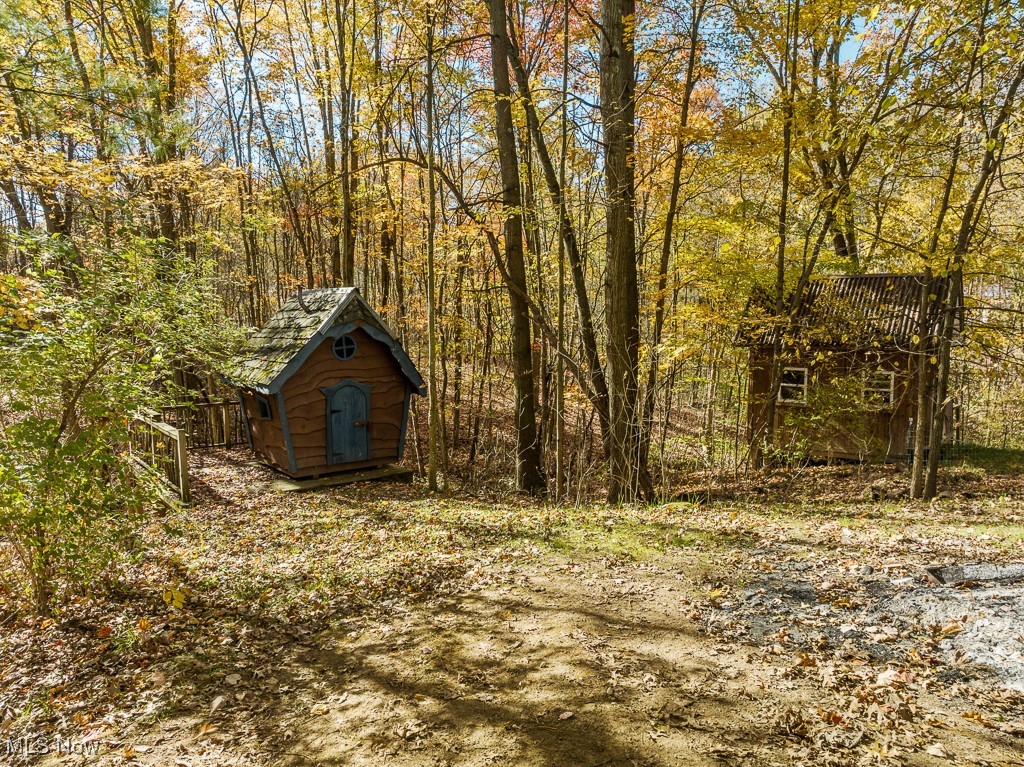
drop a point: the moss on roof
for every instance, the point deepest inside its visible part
(299, 319)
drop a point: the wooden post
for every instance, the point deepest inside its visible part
(171, 466)
(181, 456)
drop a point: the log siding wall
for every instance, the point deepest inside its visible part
(267, 435)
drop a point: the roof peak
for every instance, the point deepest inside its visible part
(306, 291)
(341, 296)
(304, 316)
(869, 275)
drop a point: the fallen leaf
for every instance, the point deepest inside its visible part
(89, 737)
(976, 716)
(937, 750)
(175, 597)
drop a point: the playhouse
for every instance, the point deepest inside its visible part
(325, 386)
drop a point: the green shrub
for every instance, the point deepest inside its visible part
(75, 364)
(835, 412)
(68, 505)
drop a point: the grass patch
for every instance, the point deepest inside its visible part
(960, 460)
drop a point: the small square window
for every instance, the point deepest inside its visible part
(878, 387)
(263, 405)
(794, 385)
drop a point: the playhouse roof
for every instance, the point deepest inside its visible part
(305, 320)
(855, 310)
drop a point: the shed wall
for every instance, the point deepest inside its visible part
(267, 435)
(875, 433)
(306, 405)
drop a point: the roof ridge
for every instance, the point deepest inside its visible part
(867, 275)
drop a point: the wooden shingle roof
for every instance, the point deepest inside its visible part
(856, 310)
(304, 321)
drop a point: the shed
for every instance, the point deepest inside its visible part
(849, 365)
(325, 386)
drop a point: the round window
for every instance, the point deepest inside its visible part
(344, 347)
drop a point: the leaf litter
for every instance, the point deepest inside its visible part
(379, 622)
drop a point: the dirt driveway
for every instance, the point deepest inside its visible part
(572, 665)
(380, 625)
(599, 662)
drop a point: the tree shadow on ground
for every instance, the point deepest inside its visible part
(491, 679)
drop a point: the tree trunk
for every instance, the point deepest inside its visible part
(622, 310)
(667, 238)
(764, 431)
(941, 389)
(562, 224)
(347, 234)
(923, 386)
(529, 476)
(434, 418)
(990, 164)
(597, 388)
(927, 342)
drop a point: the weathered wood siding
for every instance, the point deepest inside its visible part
(877, 433)
(306, 405)
(267, 436)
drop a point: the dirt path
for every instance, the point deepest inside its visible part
(564, 663)
(572, 667)
(382, 625)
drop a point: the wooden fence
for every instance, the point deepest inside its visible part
(207, 424)
(161, 450)
(160, 441)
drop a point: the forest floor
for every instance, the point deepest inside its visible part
(378, 624)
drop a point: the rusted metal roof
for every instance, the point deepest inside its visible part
(856, 310)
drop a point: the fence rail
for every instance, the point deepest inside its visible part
(161, 450)
(207, 424)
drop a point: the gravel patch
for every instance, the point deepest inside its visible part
(982, 625)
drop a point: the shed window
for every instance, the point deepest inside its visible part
(263, 405)
(878, 387)
(344, 347)
(794, 385)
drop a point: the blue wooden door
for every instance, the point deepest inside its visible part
(349, 430)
